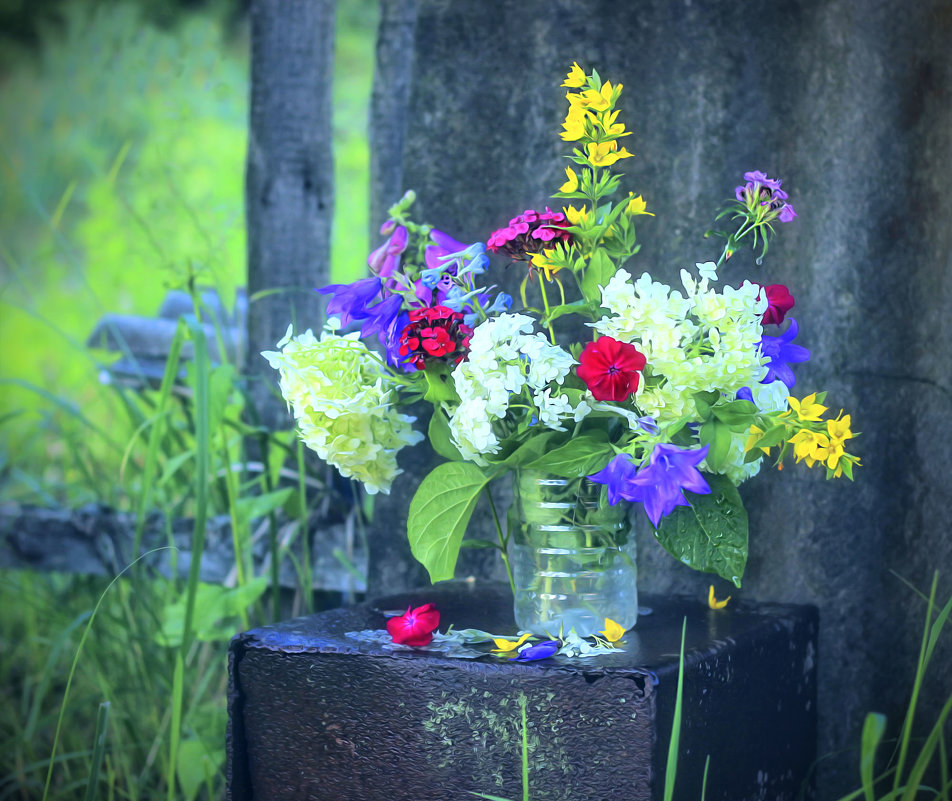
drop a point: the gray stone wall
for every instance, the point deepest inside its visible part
(850, 102)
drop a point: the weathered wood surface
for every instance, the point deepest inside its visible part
(97, 540)
(289, 189)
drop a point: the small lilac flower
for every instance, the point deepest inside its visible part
(431, 276)
(444, 245)
(659, 485)
(618, 475)
(781, 353)
(542, 650)
(349, 301)
(787, 214)
(501, 303)
(648, 425)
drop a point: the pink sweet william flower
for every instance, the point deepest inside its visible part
(527, 233)
(416, 626)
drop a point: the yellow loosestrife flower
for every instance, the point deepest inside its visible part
(755, 434)
(613, 631)
(576, 216)
(571, 185)
(809, 446)
(713, 603)
(543, 262)
(807, 409)
(831, 452)
(604, 154)
(576, 77)
(592, 100)
(636, 205)
(607, 121)
(575, 124)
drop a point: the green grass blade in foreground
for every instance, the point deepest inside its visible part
(671, 768)
(99, 750)
(155, 434)
(873, 728)
(72, 669)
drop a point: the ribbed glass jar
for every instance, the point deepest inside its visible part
(572, 556)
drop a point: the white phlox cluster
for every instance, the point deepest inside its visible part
(506, 360)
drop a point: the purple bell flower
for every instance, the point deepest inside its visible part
(349, 301)
(781, 352)
(542, 650)
(380, 316)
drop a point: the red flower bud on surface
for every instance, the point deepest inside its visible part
(416, 626)
(780, 302)
(610, 369)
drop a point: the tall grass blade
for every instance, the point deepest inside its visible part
(707, 765)
(178, 690)
(72, 669)
(873, 728)
(99, 750)
(917, 684)
(155, 434)
(525, 751)
(671, 769)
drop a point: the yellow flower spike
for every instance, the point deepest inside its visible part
(613, 631)
(607, 121)
(575, 123)
(604, 154)
(810, 446)
(713, 603)
(636, 205)
(576, 77)
(504, 646)
(571, 185)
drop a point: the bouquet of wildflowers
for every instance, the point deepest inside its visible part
(676, 396)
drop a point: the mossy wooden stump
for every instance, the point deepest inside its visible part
(314, 714)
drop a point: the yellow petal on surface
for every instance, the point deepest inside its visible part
(613, 631)
(713, 602)
(505, 646)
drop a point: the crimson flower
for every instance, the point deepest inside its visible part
(780, 302)
(416, 626)
(434, 332)
(610, 369)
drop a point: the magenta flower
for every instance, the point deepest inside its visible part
(528, 233)
(385, 260)
(779, 302)
(415, 626)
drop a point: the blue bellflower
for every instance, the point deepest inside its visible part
(781, 352)
(349, 301)
(542, 650)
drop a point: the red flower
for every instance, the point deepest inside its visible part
(610, 369)
(780, 302)
(416, 627)
(434, 332)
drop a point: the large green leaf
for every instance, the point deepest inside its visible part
(581, 456)
(440, 437)
(439, 514)
(710, 535)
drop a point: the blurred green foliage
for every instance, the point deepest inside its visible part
(122, 148)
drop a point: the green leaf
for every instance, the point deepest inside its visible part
(478, 543)
(440, 438)
(735, 413)
(213, 603)
(256, 506)
(577, 457)
(710, 535)
(439, 513)
(439, 384)
(717, 436)
(530, 450)
(598, 273)
(873, 728)
(578, 307)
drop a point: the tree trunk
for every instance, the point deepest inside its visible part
(289, 190)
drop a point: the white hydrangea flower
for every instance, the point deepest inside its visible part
(341, 399)
(551, 410)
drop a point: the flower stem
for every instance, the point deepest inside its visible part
(503, 543)
(545, 303)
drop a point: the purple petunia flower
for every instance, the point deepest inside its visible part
(542, 650)
(349, 301)
(781, 353)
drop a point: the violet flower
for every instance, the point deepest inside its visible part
(349, 301)
(781, 353)
(385, 260)
(618, 475)
(542, 650)
(379, 317)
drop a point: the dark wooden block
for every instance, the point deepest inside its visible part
(316, 715)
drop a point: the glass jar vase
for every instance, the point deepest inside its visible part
(572, 556)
